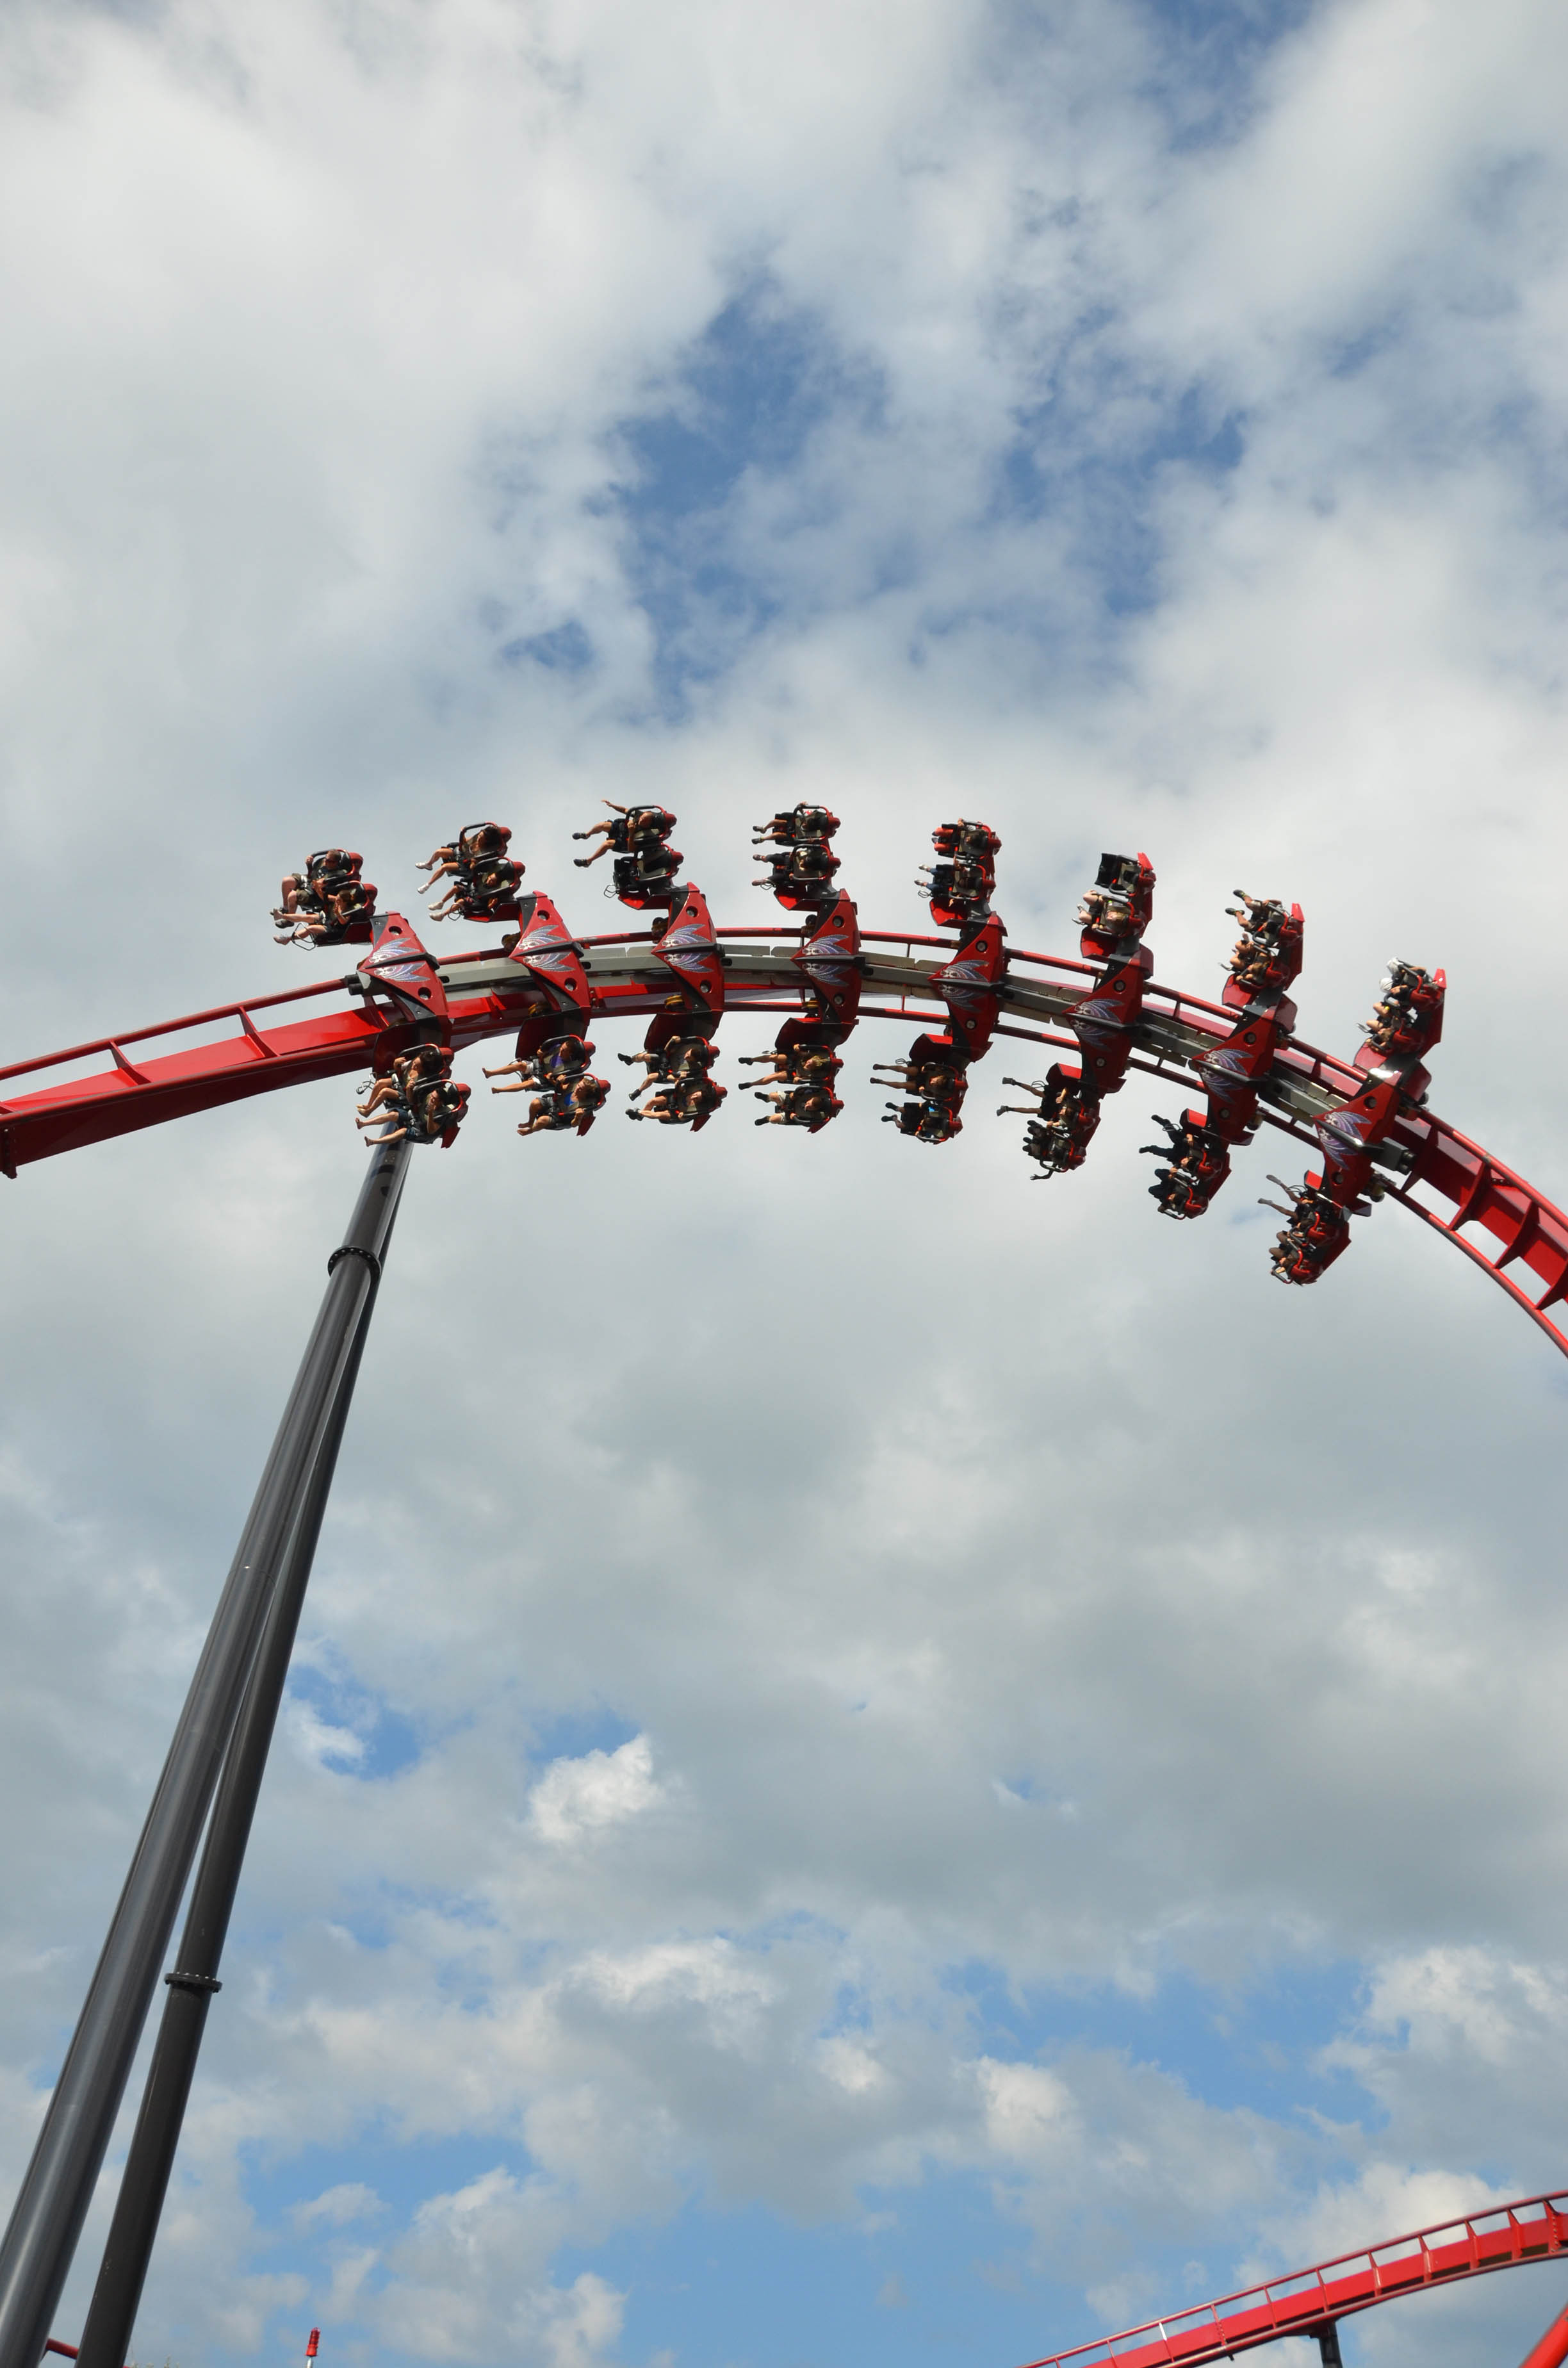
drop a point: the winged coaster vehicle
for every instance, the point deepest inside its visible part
(407, 1015)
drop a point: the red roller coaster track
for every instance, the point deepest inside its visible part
(1309, 2301)
(141, 1076)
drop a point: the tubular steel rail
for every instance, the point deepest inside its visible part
(1423, 1159)
(1309, 2301)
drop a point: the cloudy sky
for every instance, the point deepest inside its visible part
(883, 1763)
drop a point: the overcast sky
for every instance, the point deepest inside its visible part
(883, 1763)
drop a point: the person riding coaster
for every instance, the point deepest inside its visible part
(572, 1103)
(925, 1121)
(1197, 1149)
(794, 1064)
(932, 1080)
(935, 1090)
(956, 885)
(677, 1061)
(647, 876)
(430, 1111)
(488, 892)
(809, 864)
(309, 894)
(338, 918)
(559, 1062)
(1178, 1194)
(1263, 917)
(427, 1064)
(1317, 1231)
(810, 1105)
(1402, 1023)
(802, 825)
(683, 1102)
(974, 841)
(959, 886)
(1266, 957)
(477, 842)
(627, 830)
(1107, 911)
(1118, 907)
(1062, 1121)
(328, 869)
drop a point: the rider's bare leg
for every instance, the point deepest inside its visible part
(596, 829)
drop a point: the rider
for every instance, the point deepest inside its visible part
(338, 912)
(472, 845)
(795, 1064)
(427, 1065)
(493, 879)
(576, 1104)
(800, 1106)
(627, 830)
(427, 1111)
(326, 873)
(557, 1063)
(677, 1061)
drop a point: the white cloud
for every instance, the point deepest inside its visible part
(576, 1798)
(455, 2292)
(901, 1503)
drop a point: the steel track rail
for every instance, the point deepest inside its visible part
(118, 1090)
(1534, 2229)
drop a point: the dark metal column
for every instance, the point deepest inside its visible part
(1328, 2345)
(46, 2221)
(112, 2315)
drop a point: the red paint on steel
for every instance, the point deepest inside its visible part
(125, 1094)
(1552, 2349)
(1535, 2229)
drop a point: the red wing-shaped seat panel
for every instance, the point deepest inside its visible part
(1348, 1134)
(548, 951)
(1103, 1020)
(689, 949)
(398, 962)
(968, 985)
(1230, 1072)
(830, 959)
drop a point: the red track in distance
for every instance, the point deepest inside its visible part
(1533, 2230)
(131, 1087)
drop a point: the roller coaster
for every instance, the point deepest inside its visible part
(1313, 2302)
(1366, 1117)
(404, 1014)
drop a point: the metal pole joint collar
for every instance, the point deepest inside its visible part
(352, 1249)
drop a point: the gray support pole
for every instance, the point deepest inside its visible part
(1328, 2345)
(112, 2316)
(46, 2220)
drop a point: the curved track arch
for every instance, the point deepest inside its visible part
(1310, 2302)
(143, 1077)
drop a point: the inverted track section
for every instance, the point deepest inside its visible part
(143, 1076)
(1535, 2229)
